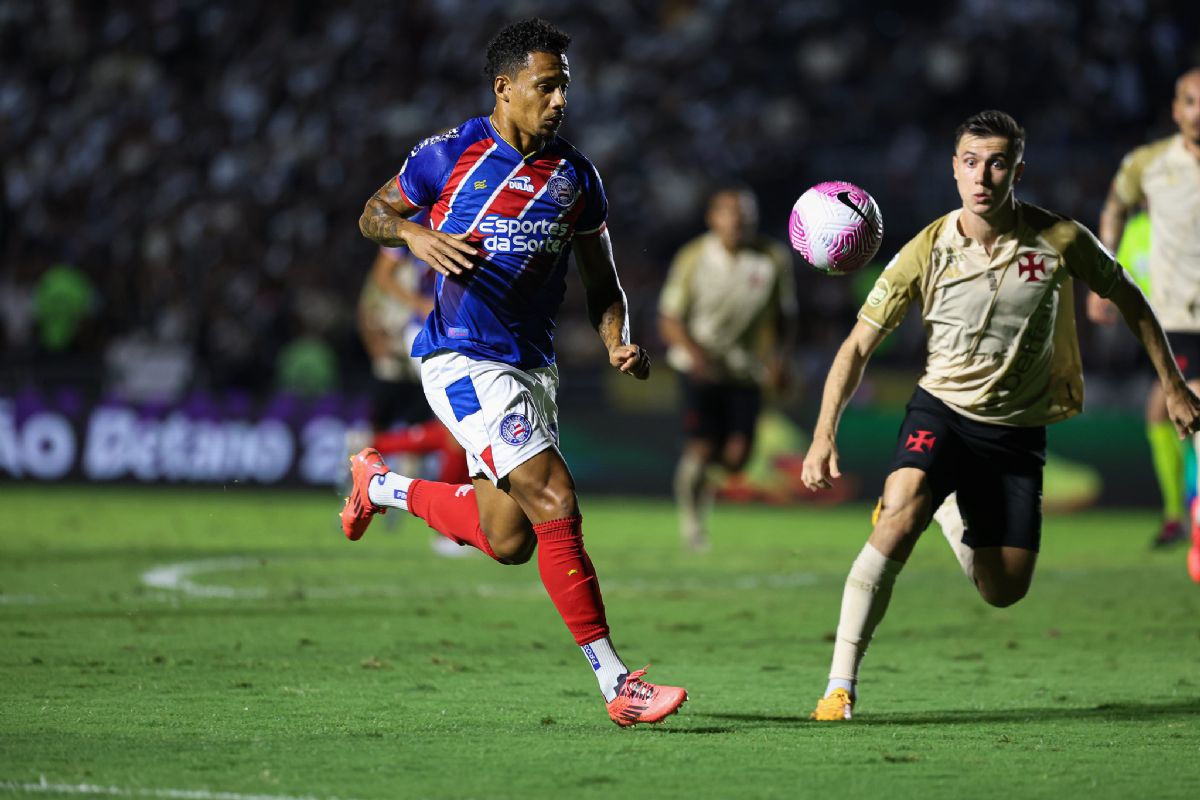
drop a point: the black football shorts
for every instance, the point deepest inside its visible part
(995, 469)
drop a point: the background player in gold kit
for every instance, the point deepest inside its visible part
(1164, 176)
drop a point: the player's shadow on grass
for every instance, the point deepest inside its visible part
(1103, 712)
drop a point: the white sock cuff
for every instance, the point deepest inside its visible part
(874, 567)
(389, 489)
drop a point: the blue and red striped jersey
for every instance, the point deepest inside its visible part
(521, 213)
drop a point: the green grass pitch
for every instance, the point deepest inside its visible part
(233, 645)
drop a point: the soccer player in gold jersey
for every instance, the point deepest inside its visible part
(993, 283)
(1165, 177)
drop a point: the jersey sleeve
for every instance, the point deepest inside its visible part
(424, 173)
(1127, 185)
(676, 292)
(1089, 260)
(595, 209)
(899, 285)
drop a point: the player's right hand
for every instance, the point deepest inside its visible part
(820, 464)
(448, 253)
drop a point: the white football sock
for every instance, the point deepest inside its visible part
(608, 666)
(689, 487)
(389, 489)
(950, 519)
(864, 602)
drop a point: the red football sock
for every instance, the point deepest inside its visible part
(570, 579)
(454, 463)
(450, 510)
(421, 439)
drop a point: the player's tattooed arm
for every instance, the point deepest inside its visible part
(385, 221)
(607, 306)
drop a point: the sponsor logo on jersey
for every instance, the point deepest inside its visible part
(481, 184)
(521, 184)
(509, 235)
(515, 429)
(561, 190)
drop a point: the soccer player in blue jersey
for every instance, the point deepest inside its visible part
(508, 201)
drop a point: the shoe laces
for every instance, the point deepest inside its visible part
(636, 688)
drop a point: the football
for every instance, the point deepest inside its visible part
(836, 227)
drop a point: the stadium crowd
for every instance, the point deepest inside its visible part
(197, 168)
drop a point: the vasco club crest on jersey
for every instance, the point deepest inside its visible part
(561, 190)
(515, 429)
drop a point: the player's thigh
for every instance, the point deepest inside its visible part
(904, 512)
(504, 522)
(703, 412)
(1000, 492)
(923, 472)
(743, 405)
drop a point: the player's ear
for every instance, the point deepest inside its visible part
(502, 86)
(1020, 170)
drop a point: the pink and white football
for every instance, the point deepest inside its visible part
(836, 227)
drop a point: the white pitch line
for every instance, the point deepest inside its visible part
(45, 787)
(178, 578)
(19, 600)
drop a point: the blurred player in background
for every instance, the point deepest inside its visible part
(1164, 176)
(508, 201)
(396, 299)
(727, 313)
(993, 281)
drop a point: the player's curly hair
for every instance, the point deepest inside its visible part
(993, 123)
(509, 50)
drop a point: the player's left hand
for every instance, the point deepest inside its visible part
(631, 359)
(1183, 408)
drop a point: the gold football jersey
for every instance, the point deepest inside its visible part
(1165, 177)
(1000, 329)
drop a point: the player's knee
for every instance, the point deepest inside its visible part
(513, 550)
(1004, 594)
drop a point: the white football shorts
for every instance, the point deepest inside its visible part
(501, 415)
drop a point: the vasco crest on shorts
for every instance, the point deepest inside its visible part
(515, 429)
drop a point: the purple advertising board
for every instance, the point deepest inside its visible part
(205, 438)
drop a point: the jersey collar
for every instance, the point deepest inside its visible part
(500, 140)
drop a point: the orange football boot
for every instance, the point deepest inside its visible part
(356, 514)
(639, 701)
(835, 706)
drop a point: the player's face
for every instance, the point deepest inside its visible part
(733, 217)
(1186, 108)
(985, 173)
(538, 95)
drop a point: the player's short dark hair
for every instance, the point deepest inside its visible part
(728, 186)
(509, 50)
(993, 123)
